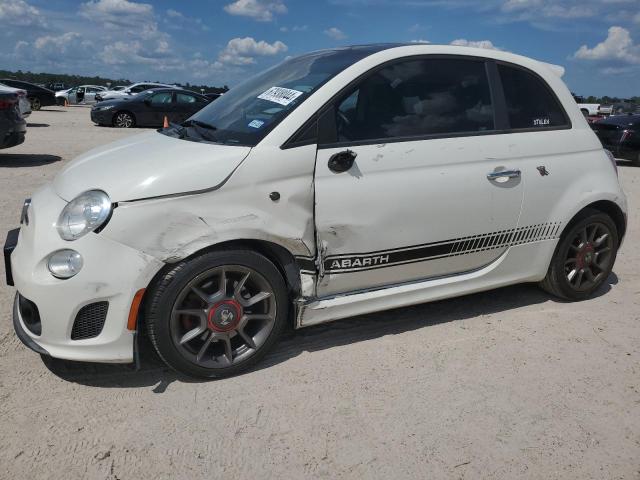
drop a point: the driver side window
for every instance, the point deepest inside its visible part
(415, 98)
(161, 98)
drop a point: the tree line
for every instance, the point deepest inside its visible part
(606, 100)
(49, 79)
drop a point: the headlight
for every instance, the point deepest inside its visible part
(87, 212)
(108, 107)
(64, 263)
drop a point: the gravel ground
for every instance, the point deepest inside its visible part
(503, 384)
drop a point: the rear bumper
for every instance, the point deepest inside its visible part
(12, 139)
(627, 153)
(48, 100)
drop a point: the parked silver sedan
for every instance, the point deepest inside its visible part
(79, 95)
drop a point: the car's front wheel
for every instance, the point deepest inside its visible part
(217, 314)
(124, 120)
(584, 257)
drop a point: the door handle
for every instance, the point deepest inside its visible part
(503, 174)
(342, 161)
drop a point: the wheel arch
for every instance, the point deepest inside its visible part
(281, 257)
(607, 207)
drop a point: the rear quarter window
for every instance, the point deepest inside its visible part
(531, 104)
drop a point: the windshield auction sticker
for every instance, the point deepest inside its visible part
(281, 95)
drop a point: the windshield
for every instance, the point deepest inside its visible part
(245, 114)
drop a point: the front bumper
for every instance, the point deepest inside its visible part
(21, 333)
(112, 273)
(102, 117)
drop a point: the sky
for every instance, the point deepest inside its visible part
(218, 42)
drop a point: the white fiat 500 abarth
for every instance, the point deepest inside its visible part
(337, 183)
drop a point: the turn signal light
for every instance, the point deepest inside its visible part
(133, 312)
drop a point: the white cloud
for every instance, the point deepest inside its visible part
(241, 51)
(617, 47)
(107, 9)
(335, 33)
(178, 21)
(463, 42)
(295, 28)
(420, 40)
(174, 13)
(20, 13)
(534, 10)
(59, 44)
(261, 10)
(136, 18)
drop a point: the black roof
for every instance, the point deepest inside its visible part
(172, 89)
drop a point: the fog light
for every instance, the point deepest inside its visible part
(65, 263)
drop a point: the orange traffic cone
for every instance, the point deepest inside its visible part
(166, 122)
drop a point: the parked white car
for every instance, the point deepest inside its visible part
(131, 90)
(592, 109)
(23, 101)
(83, 94)
(338, 183)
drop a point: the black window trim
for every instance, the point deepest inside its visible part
(497, 98)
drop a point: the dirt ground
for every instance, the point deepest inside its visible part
(504, 384)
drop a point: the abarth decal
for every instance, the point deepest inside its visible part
(346, 263)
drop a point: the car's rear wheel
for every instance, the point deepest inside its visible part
(217, 314)
(584, 257)
(124, 120)
(35, 103)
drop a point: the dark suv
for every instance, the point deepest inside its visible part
(620, 134)
(12, 126)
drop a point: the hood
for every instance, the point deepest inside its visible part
(112, 101)
(149, 165)
(112, 94)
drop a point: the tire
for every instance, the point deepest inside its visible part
(203, 329)
(35, 103)
(124, 120)
(583, 258)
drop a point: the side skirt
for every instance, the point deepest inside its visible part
(519, 264)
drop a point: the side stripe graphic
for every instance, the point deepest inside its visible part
(346, 263)
(306, 264)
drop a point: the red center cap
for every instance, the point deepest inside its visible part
(585, 256)
(225, 316)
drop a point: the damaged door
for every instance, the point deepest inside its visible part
(410, 181)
